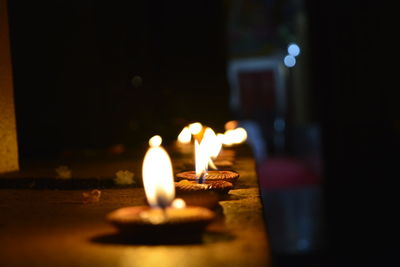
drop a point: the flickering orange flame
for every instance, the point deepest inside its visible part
(230, 125)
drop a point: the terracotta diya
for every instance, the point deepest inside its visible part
(141, 220)
(165, 216)
(207, 194)
(211, 176)
(201, 186)
(220, 187)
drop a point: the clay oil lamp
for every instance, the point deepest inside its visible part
(202, 185)
(165, 215)
(205, 152)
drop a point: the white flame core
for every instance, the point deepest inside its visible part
(221, 138)
(240, 135)
(211, 142)
(195, 127)
(158, 178)
(208, 149)
(185, 136)
(201, 158)
(232, 137)
(155, 141)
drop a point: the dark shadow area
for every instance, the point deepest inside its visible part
(353, 83)
(93, 75)
(149, 239)
(316, 259)
(61, 184)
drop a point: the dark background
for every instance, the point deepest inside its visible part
(359, 116)
(74, 62)
(73, 67)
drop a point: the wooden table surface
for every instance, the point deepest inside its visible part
(49, 227)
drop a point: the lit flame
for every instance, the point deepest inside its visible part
(155, 141)
(158, 178)
(213, 144)
(230, 125)
(240, 135)
(233, 136)
(228, 137)
(185, 136)
(201, 159)
(221, 138)
(195, 128)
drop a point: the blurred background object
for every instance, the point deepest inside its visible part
(267, 73)
(8, 133)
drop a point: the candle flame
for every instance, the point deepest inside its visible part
(211, 164)
(213, 144)
(221, 138)
(233, 136)
(155, 141)
(195, 128)
(201, 159)
(185, 136)
(208, 149)
(158, 178)
(230, 125)
(240, 135)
